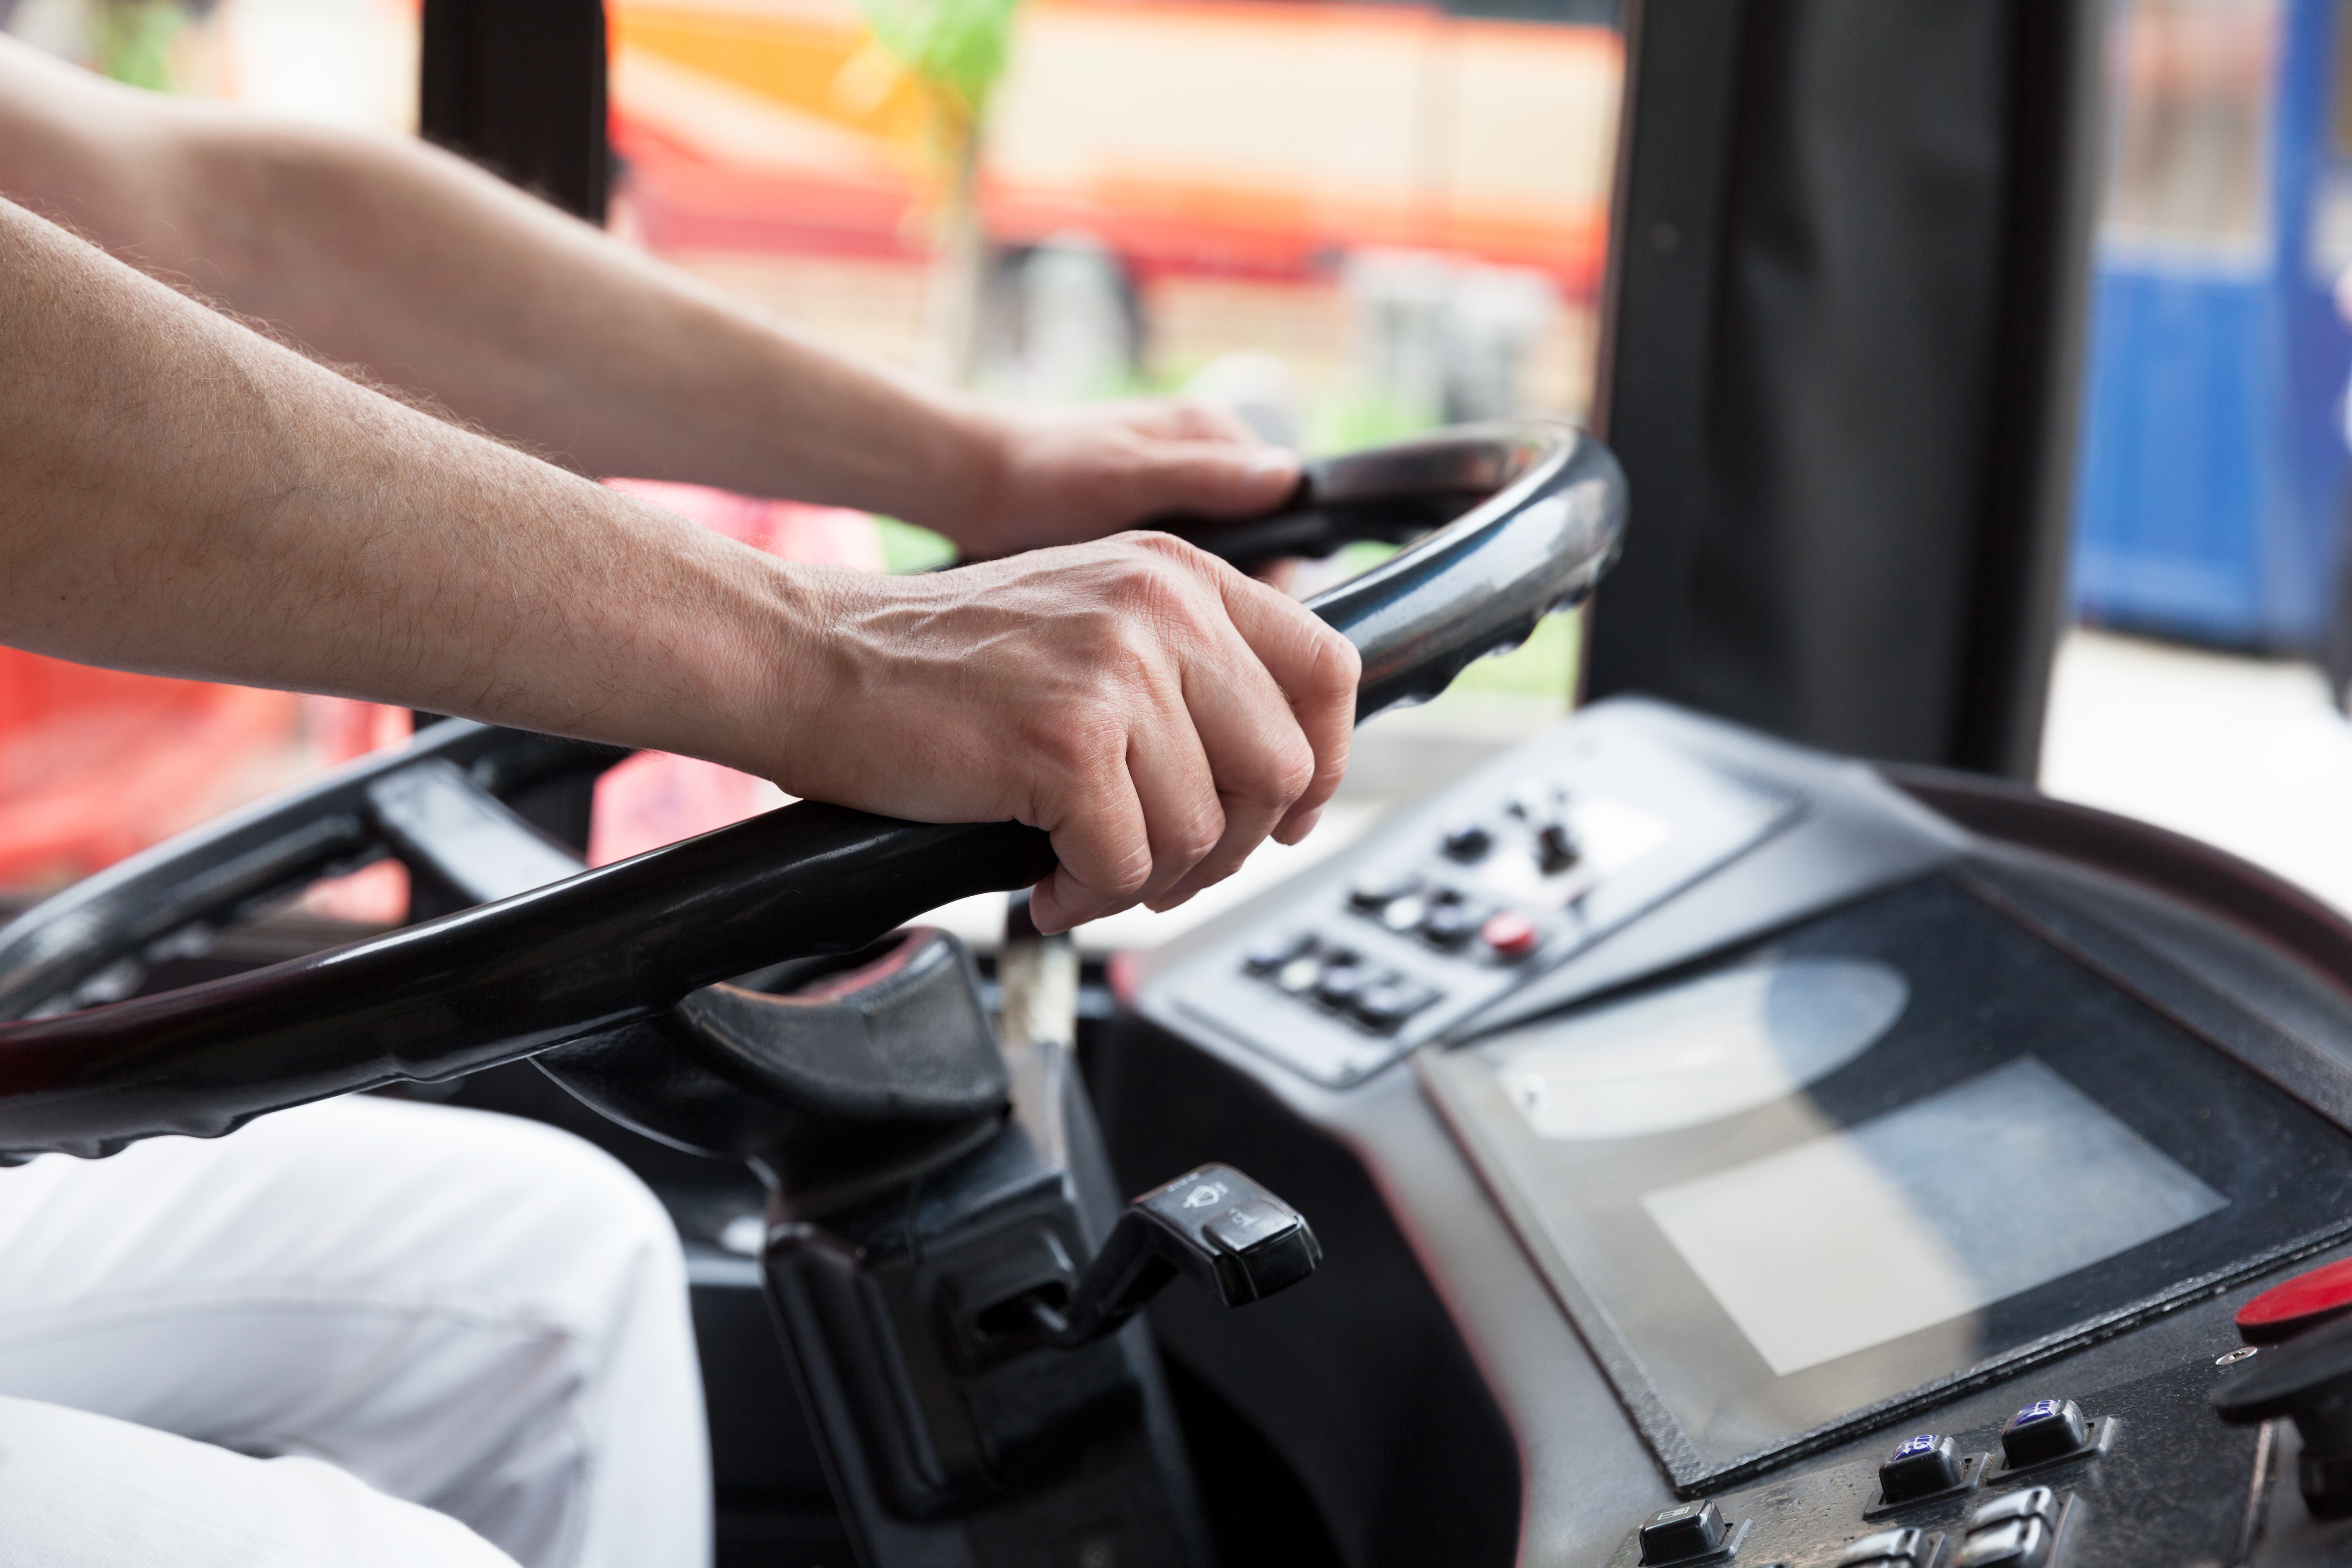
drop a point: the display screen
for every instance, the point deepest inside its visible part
(1883, 1151)
(2079, 1186)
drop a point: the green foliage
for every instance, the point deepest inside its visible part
(957, 47)
(134, 39)
(906, 548)
(1356, 419)
(1543, 667)
(1541, 671)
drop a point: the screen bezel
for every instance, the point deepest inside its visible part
(1952, 936)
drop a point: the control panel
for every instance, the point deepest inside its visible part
(2240, 1457)
(1523, 868)
(2057, 1482)
(1820, 1168)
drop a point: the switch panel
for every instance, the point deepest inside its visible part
(1499, 880)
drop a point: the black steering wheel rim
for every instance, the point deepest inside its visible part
(541, 963)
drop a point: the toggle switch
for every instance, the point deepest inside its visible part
(2040, 1502)
(2015, 1543)
(1900, 1548)
(1557, 847)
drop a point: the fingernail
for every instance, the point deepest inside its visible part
(1295, 831)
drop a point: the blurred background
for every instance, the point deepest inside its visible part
(1347, 222)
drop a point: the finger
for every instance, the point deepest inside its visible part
(1256, 752)
(1183, 814)
(1186, 419)
(1317, 669)
(1201, 421)
(1281, 574)
(1105, 857)
(1216, 478)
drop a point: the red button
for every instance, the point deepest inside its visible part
(1510, 934)
(2303, 1303)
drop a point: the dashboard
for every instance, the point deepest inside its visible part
(1731, 1154)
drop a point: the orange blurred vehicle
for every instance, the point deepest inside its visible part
(96, 764)
(1239, 137)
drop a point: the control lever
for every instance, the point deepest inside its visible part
(1213, 1225)
(2308, 1380)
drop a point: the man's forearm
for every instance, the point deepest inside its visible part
(433, 276)
(180, 496)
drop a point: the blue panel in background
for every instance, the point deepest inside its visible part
(2212, 493)
(2172, 463)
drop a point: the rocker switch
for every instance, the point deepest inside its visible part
(1687, 1532)
(1919, 1467)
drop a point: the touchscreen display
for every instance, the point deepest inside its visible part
(2077, 1186)
(1795, 1188)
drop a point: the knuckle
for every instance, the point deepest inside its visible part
(1279, 774)
(1157, 605)
(1142, 586)
(1199, 837)
(1293, 770)
(1083, 743)
(1163, 544)
(1338, 667)
(1129, 872)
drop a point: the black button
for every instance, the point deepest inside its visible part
(1377, 890)
(1388, 1003)
(1341, 980)
(1450, 925)
(2045, 1429)
(1682, 1534)
(1469, 841)
(1268, 956)
(1919, 1467)
(1557, 847)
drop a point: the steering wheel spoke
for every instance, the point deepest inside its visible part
(443, 825)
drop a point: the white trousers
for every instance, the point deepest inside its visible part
(269, 1348)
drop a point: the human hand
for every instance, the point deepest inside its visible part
(1156, 711)
(1059, 476)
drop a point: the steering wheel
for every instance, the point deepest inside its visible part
(1530, 514)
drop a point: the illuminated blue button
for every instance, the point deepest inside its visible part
(2044, 1430)
(1919, 1467)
